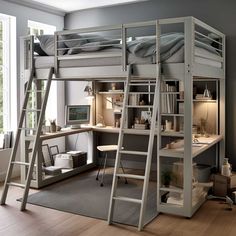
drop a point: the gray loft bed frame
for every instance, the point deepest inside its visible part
(174, 70)
(179, 71)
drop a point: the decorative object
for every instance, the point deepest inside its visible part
(226, 168)
(113, 86)
(53, 127)
(168, 125)
(166, 177)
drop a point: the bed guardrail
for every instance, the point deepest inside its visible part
(96, 38)
(113, 36)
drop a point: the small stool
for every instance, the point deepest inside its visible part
(106, 149)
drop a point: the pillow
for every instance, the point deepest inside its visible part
(94, 46)
(39, 50)
(47, 44)
(74, 42)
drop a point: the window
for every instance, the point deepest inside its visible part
(5, 68)
(37, 28)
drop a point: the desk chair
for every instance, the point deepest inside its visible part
(105, 149)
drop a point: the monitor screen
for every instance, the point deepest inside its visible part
(77, 114)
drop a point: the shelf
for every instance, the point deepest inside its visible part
(63, 133)
(171, 153)
(170, 92)
(172, 114)
(138, 131)
(172, 189)
(198, 100)
(196, 150)
(49, 179)
(141, 93)
(111, 92)
(172, 134)
(139, 106)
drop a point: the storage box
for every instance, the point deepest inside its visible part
(178, 174)
(64, 161)
(79, 158)
(202, 173)
(52, 170)
(220, 185)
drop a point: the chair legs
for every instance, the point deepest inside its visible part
(104, 162)
(126, 182)
(104, 167)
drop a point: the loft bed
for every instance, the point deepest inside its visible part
(196, 50)
(105, 52)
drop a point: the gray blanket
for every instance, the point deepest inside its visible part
(169, 44)
(146, 46)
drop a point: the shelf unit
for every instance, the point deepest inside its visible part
(183, 197)
(109, 101)
(40, 179)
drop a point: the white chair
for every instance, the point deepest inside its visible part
(105, 149)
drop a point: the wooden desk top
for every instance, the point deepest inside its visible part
(64, 133)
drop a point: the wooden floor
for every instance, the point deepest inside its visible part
(211, 219)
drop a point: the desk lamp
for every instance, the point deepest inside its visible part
(207, 93)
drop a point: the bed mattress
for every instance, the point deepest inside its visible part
(112, 56)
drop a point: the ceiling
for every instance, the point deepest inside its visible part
(75, 5)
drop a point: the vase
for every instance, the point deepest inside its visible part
(53, 128)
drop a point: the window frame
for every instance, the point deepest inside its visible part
(6, 53)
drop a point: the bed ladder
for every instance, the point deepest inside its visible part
(120, 151)
(34, 139)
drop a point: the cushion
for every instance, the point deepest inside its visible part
(47, 44)
(74, 43)
(39, 50)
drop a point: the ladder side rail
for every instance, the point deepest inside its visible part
(35, 146)
(120, 142)
(17, 139)
(152, 131)
(149, 156)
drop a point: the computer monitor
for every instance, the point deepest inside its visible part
(77, 115)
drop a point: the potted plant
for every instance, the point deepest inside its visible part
(166, 177)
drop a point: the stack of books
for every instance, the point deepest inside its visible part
(168, 101)
(134, 99)
(141, 126)
(201, 97)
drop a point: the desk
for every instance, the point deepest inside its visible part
(40, 179)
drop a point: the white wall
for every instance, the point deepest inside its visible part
(23, 14)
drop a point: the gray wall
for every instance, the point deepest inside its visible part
(217, 13)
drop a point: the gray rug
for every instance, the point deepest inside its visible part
(83, 195)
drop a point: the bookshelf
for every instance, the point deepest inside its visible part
(185, 115)
(109, 100)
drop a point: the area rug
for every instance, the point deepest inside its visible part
(83, 195)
